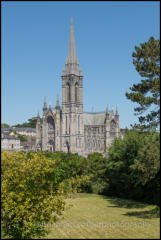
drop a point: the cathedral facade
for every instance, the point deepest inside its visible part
(67, 128)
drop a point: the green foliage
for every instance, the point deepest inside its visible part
(5, 125)
(147, 163)
(147, 93)
(133, 165)
(35, 185)
(33, 191)
(69, 168)
(22, 138)
(96, 165)
(30, 124)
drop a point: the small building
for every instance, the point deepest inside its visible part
(29, 132)
(6, 131)
(10, 143)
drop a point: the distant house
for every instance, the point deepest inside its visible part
(5, 131)
(30, 132)
(10, 143)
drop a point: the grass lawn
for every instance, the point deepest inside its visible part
(95, 216)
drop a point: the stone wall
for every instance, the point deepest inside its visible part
(94, 136)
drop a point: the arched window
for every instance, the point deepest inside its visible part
(51, 133)
(78, 123)
(66, 124)
(51, 123)
(113, 126)
(76, 92)
(68, 94)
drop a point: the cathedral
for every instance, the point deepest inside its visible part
(67, 128)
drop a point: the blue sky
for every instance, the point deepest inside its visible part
(35, 38)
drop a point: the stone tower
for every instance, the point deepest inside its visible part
(72, 101)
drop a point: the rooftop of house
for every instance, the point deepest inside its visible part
(7, 136)
(23, 129)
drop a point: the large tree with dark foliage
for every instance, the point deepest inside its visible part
(146, 59)
(30, 124)
(133, 167)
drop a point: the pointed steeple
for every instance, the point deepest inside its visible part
(107, 112)
(38, 115)
(50, 105)
(72, 58)
(117, 112)
(112, 111)
(72, 65)
(45, 105)
(38, 118)
(57, 103)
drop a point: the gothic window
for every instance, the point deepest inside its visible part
(76, 92)
(66, 124)
(51, 132)
(78, 124)
(68, 94)
(113, 126)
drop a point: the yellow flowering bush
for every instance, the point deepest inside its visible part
(33, 192)
(28, 198)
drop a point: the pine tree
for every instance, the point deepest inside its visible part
(146, 59)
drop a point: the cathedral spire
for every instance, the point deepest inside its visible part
(72, 65)
(107, 112)
(57, 102)
(112, 111)
(117, 112)
(38, 118)
(72, 58)
(45, 105)
(38, 115)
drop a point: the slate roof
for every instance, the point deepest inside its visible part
(94, 118)
(5, 129)
(9, 137)
(24, 129)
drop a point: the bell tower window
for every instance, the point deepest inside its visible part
(76, 92)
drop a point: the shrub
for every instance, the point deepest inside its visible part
(133, 165)
(33, 192)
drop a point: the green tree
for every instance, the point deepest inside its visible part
(5, 125)
(22, 138)
(146, 59)
(30, 124)
(95, 167)
(147, 163)
(133, 165)
(33, 192)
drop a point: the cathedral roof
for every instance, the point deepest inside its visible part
(94, 118)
